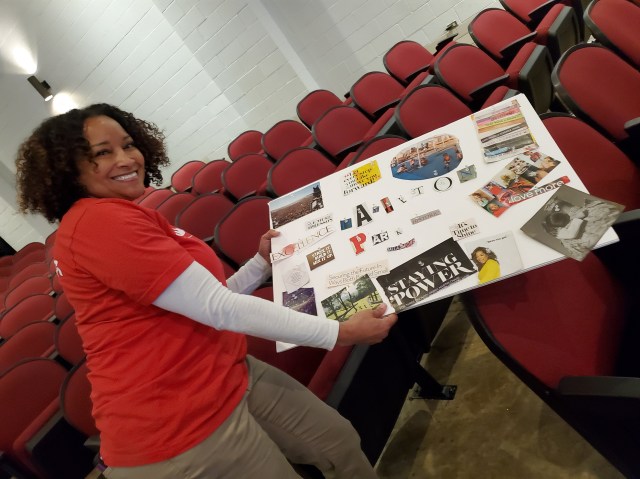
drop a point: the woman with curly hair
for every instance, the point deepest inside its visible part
(487, 264)
(174, 393)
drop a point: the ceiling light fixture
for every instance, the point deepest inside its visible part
(41, 87)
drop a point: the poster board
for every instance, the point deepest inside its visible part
(402, 227)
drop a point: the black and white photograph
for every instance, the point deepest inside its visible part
(572, 222)
(361, 294)
(425, 274)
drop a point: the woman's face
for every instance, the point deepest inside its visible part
(117, 166)
(481, 257)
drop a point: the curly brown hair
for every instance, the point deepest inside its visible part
(47, 161)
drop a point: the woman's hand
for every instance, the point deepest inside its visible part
(265, 244)
(366, 327)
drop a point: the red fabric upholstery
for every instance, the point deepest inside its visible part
(613, 176)
(496, 96)
(316, 104)
(33, 256)
(153, 199)
(201, 216)
(147, 191)
(182, 177)
(516, 65)
(374, 92)
(28, 249)
(584, 69)
(33, 285)
(284, 136)
(406, 59)
(527, 10)
(299, 167)
(493, 29)
(209, 178)
(238, 234)
(173, 205)
(376, 145)
(247, 142)
(340, 129)
(427, 108)
(68, 342)
(33, 269)
(326, 375)
(559, 320)
(75, 400)
(614, 23)
(463, 68)
(26, 390)
(31, 341)
(36, 307)
(246, 175)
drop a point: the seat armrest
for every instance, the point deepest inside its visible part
(480, 94)
(600, 386)
(514, 47)
(537, 14)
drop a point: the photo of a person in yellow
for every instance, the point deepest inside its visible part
(487, 264)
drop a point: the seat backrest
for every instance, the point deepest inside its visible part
(427, 108)
(32, 285)
(340, 129)
(249, 141)
(28, 249)
(283, 137)
(315, 104)
(182, 177)
(463, 68)
(298, 168)
(31, 341)
(614, 23)
(586, 68)
(615, 177)
(173, 205)
(34, 256)
(209, 178)
(33, 308)
(374, 92)
(68, 342)
(26, 390)
(246, 175)
(406, 59)
(34, 269)
(201, 216)
(50, 241)
(494, 29)
(75, 400)
(153, 199)
(376, 145)
(62, 307)
(238, 233)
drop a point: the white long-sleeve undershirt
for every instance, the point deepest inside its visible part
(198, 295)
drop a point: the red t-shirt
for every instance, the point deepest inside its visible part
(161, 382)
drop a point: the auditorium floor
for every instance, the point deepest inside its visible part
(494, 428)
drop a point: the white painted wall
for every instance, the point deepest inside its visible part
(203, 70)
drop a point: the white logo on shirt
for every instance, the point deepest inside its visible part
(58, 270)
(179, 232)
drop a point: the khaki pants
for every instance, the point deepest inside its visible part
(278, 419)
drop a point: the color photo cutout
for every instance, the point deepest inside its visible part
(435, 156)
(572, 222)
